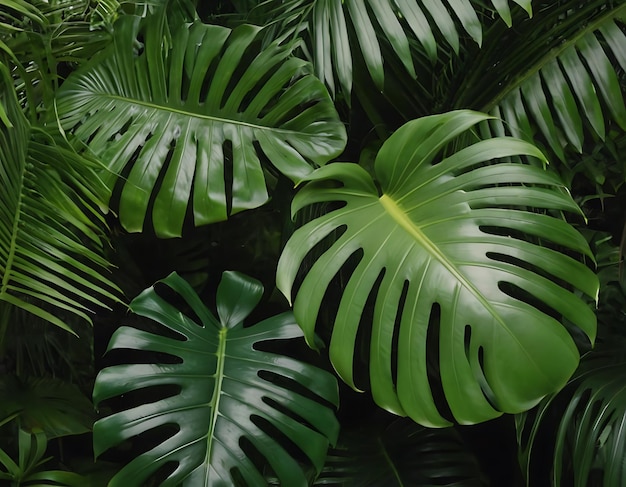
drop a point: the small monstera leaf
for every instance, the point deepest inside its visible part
(459, 256)
(184, 121)
(238, 408)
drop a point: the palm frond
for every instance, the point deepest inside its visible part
(559, 79)
(51, 225)
(338, 31)
(578, 436)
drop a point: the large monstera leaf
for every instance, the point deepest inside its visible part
(184, 121)
(460, 253)
(239, 408)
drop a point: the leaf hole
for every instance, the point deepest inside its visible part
(289, 413)
(294, 112)
(118, 135)
(509, 259)
(256, 457)
(124, 356)
(149, 222)
(227, 150)
(433, 363)
(180, 303)
(122, 180)
(363, 341)
(396, 332)
(162, 473)
(284, 442)
(248, 56)
(252, 94)
(333, 290)
(467, 339)
(209, 75)
(578, 336)
(292, 386)
(482, 380)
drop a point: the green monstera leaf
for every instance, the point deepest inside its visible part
(459, 258)
(239, 411)
(184, 121)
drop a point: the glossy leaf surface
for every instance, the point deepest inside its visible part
(187, 120)
(236, 406)
(459, 256)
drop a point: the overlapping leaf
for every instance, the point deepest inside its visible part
(51, 227)
(55, 407)
(584, 426)
(403, 453)
(238, 407)
(28, 470)
(461, 261)
(560, 83)
(187, 121)
(339, 29)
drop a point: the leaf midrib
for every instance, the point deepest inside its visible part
(400, 217)
(14, 234)
(551, 55)
(184, 113)
(217, 390)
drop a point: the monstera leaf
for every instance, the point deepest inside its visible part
(460, 257)
(239, 410)
(183, 122)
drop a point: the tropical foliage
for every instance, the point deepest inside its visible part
(416, 208)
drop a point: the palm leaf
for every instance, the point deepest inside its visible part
(39, 36)
(53, 406)
(27, 471)
(51, 226)
(578, 437)
(187, 123)
(237, 409)
(339, 31)
(402, 453)
(463, 252)
(560, 79)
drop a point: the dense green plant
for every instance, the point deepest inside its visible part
(457, 262)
